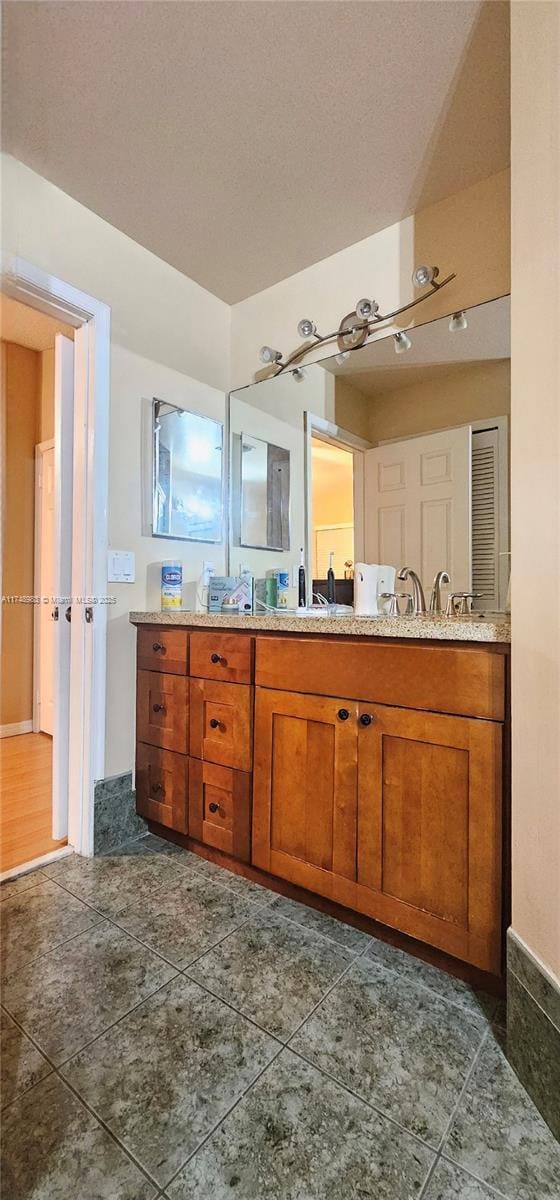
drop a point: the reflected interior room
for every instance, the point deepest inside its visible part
(280, 679)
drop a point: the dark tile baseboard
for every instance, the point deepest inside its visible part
(533, 1029)
(114, 815)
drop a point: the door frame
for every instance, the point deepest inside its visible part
(328, 431)
(91, 317)
(40, 448)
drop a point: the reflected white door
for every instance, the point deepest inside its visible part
(45, 587)
(62, 572)
(418, 505)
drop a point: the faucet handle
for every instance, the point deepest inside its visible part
(459, 604)
(393, 610)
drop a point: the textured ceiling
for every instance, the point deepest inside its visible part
(243, 141)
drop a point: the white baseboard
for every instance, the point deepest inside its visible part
(17, 727)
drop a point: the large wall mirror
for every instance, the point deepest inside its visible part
(187, 451)
(399, 456)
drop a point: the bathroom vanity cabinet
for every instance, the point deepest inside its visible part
(368, 771)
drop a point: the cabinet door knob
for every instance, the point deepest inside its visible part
(216, 658)
(157, 646)
(157, 787)
(214, 807)
(343, 714)
(158, 708)
(366, 719)
(214, 723)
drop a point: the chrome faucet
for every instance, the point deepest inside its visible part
(418, 599)
(435, 599)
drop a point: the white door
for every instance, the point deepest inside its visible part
(62, 572)
(44, 587)
(418, 505)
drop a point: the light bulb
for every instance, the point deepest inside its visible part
(306, 328)
(424, 275)
(298, 374)
(457, 322)
(341, 358)
(402, 343)
(366, 309)
(268, 355)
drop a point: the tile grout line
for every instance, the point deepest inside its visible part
(55, 1071)
(379, 1112)
(466, 1082)
(476, 1179)
(282, 1046)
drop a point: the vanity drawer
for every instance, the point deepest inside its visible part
(163, 649)
(228, 657)
(462, 681)
(220, 808)
(162, 708)
(221, 720)
(162, 787)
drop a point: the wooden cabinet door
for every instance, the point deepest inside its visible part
(220, 808)
(221, 723)
(161, 786)
(162, 707)
(305, 788)
(429, 828)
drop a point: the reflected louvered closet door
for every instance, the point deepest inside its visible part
(485, 518)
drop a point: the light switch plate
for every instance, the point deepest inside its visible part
(121, 567)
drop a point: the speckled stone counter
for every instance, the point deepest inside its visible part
(487, 627)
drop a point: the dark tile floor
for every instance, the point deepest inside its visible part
(171, 1030)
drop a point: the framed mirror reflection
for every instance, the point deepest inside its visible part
(187, 455)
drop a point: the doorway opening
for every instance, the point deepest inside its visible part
(36, 543)
(334, 466)
(332, 501)
(54, 343)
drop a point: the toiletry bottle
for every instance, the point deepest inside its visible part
(331, 586)
(302, 591)
(171, 584)
(203, 585)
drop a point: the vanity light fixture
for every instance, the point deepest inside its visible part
(356, 327)
(306, 328)
(366, 309)
(458, 321)
(268, 355)
(402, 343)
(424, 275)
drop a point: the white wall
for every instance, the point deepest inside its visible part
(467, 233)
(167, 335)
(155, 310)
(134, 379)
(535, 476)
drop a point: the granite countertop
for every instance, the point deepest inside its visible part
(488, 627)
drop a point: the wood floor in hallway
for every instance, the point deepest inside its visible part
(25, 799)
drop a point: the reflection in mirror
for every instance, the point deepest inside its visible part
(265, 494)
(399, 457)
(187, 484)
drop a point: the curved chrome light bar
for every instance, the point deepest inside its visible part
(356, 327)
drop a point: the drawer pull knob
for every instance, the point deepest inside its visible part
(158, 646)
(158, 708)
(158, 787)
(214, 723)
(366, 719)
(214, 807)
(217, 658)
(343, 714)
